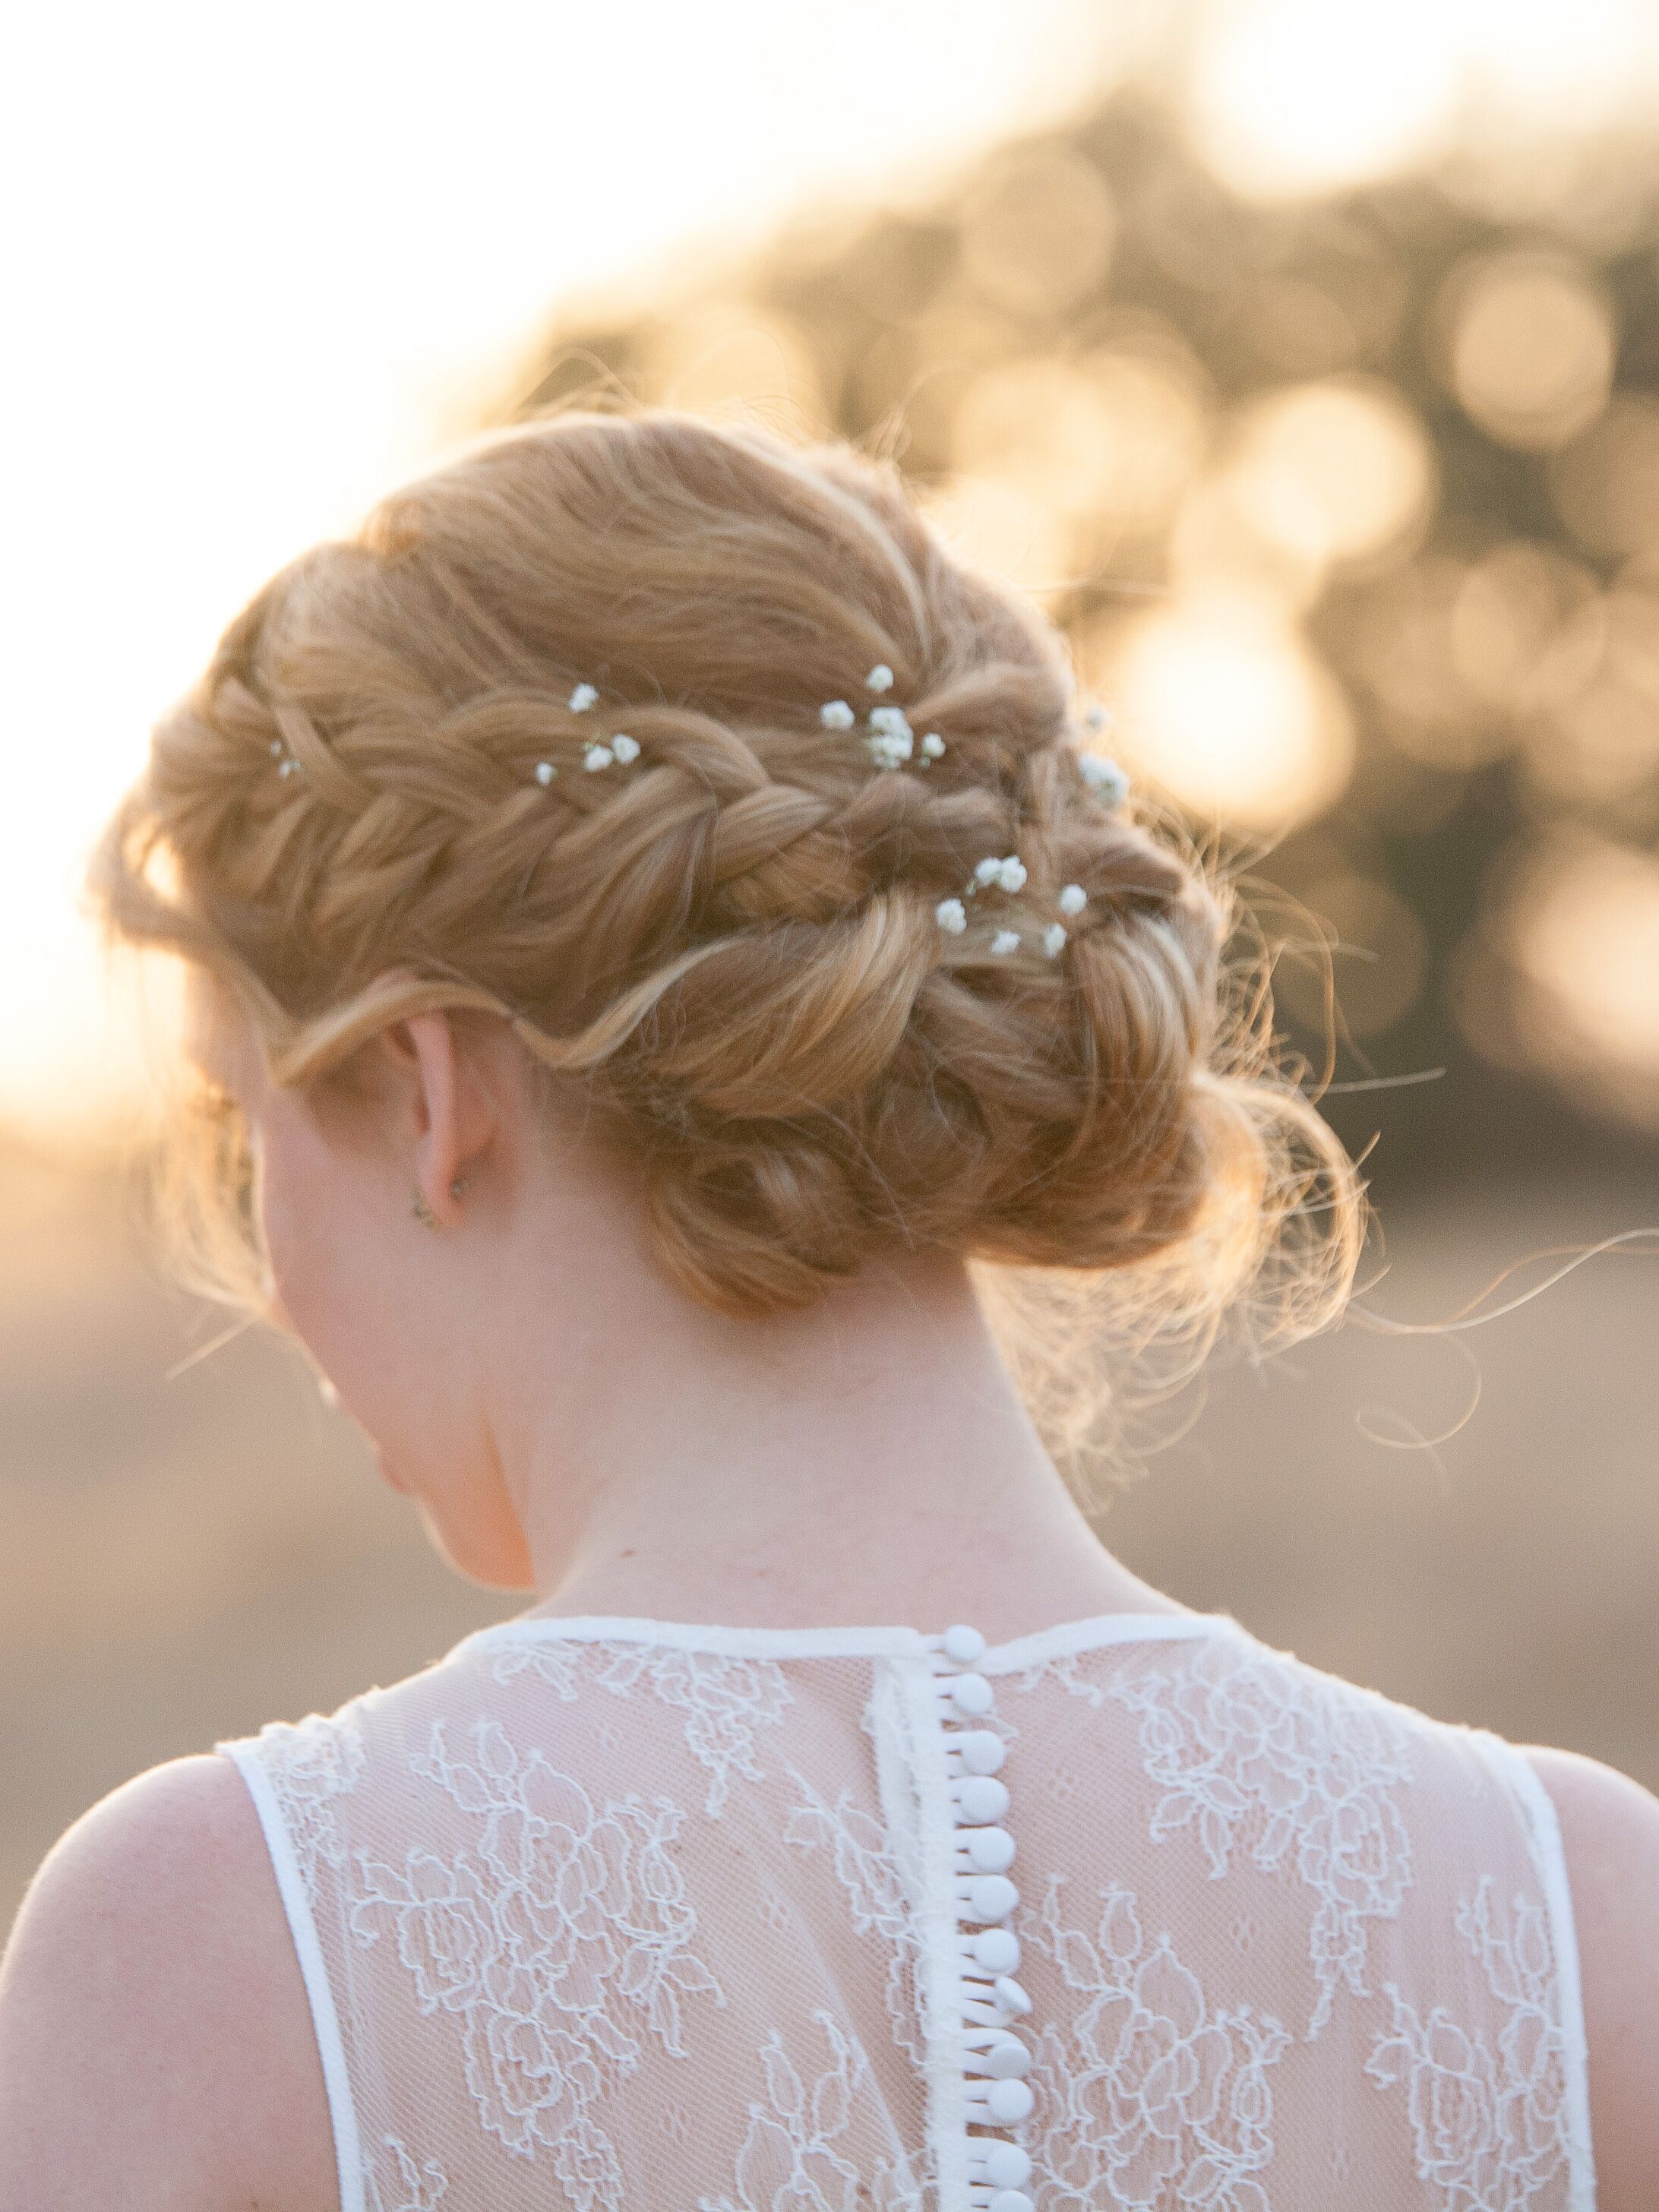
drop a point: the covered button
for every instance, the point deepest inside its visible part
(990, 1850)
(1010, 1995)
(1010, 2200)
(1008, 2060)
(963, 1644)
(982, 1751)
(996, 1949)
(1008, 2102)
(1006, 2165)
(980, 1797)
(992, 1896)
(971, 1694)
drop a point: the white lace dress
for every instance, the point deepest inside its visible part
(1137, 1912)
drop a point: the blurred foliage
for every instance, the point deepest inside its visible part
(1350, 506)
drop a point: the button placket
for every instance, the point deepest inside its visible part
(995, 2061)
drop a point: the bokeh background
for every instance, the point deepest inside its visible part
(1303, 361)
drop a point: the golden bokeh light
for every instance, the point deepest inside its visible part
(1525, 628)
(1223, 704)
(1607, 482)
(1601, 743)
(1110, 438)
(1334, 471)
(1583, 934)
(1297, 96)
(1037, 230)
(1531, 341)
(998, 524)
(1378, 958)
(723, 357)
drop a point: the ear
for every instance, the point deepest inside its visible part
(454, 1116)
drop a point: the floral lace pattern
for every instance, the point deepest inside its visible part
(1258, 1753)
(869, 1874)
(1241, 1990)
(393, 2183)
(563, 1932)
(1489, 2121)
(794, 2155)
(309, 1764)
(724, 1700)
(1154, 2099)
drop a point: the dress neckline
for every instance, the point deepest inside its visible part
(1062, 1640)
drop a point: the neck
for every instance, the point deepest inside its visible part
(868, 1463)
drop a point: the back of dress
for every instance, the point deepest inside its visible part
(1136, 1912)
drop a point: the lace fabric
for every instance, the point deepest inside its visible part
(619, 1915)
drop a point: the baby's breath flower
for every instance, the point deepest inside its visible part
(836, 715)
(1005, 941)
(1105, 778)
(951, 916)
(582, 698)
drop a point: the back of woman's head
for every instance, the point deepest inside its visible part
(578, 732)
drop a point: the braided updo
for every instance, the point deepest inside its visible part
(377, 800)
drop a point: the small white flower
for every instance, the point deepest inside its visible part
(880, 677)
(275, 744)
(287, 767)
(836, 715)
(625, 748)
(1053, 939)
(888, 752)
(1073, 899)
(951, 916)
(1105, 778)
(932, 745)
(891, 739)
(582, 698)
(1096, 717)
(1005, 941)
(545, 773)
(988, 870)
(1010, 873)
(599, 757)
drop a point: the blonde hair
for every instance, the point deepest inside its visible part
(731, 947)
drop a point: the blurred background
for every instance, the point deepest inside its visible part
(1303, 361)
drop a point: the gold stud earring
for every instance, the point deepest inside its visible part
(422, 1211)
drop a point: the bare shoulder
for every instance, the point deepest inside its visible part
(155, 2039)
(1610, 1836)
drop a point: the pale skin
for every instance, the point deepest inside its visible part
(569, 1424)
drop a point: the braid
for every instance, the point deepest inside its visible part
(771, 964)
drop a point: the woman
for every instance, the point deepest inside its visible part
(653, 924)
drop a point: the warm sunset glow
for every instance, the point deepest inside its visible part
(1531, 345)
(1586, 937)
(247, 294)
(1228, 710)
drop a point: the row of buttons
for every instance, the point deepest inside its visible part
(995, 2061)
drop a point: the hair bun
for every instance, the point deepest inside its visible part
(700, 759)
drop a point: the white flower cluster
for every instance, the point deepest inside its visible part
(890, 740)
(291, 766)
(1009, 873)
(618, 749)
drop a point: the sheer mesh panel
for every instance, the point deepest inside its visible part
(629, 1918)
